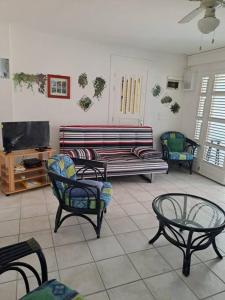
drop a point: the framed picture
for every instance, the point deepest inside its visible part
(58, 86)
(4, 68)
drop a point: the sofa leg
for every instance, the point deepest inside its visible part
(149, 177)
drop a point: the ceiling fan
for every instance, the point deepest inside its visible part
(209, 22)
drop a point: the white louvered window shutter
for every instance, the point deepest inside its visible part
(214, 145)
(201, 109)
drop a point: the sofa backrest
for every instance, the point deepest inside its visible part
(108, 137)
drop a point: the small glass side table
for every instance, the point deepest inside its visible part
(179, 214)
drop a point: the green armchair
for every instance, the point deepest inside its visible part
(178, 148)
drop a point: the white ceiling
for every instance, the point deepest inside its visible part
(147, 24)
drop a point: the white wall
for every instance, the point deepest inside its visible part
(5, 84)
(34, 52)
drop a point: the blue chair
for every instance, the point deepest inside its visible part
(177, 148)
(76, 195)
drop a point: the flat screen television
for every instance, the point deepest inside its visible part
(25, 135)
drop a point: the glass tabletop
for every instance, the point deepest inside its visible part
(189, 211)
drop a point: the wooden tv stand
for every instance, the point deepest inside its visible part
(14, 181)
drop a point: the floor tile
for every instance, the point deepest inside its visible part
(121, 225)
(143, 196)
(8, 276)
(149, 263)
(85, 279)
(117, 271)
(202, 281)
(151, 232)
(134, 209)
(220, 296)
(44, 238)
(105, 248)
(218, 267)
(115, 212)
(169, 286)
(174, 256)
(68, 222)
(8, 228)
(132, 291)
(8, 291)
(133, 241)
(8, 214)
(208, 254)
(33, 211)
(90, 234)
(145, 221)
(98, 296)
(8, 240)
(73, 255)
(68, 235)
(34, 224)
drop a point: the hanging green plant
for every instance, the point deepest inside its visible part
(85, 103)
(166, 99)
(175, 108)
(82, 80)
(99, 86)
(28, 80)
(156, 90)
(41, 82)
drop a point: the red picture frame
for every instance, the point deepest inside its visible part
(58, 86)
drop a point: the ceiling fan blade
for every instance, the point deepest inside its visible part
(191, 15)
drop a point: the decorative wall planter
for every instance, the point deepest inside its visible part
(99, 86)
(156, 91)
(85, 103)
(175, 108)
(82, 80)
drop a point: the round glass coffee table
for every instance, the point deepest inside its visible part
(189, 222)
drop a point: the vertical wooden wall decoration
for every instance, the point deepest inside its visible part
(130, 100)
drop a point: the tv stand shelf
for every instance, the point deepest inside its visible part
(13, 181)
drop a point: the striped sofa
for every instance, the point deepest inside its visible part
(114, 144)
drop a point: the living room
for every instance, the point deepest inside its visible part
(119, 84)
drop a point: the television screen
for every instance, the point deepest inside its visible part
(25, 135)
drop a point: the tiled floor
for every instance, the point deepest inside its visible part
(120, 265)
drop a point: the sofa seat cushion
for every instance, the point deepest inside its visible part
(180, 156)
(130, 164)
(53, 290)
(86, 198)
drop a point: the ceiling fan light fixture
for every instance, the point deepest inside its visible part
(208, 24)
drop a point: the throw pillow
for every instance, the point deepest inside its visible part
(146, 152)
(83, 153)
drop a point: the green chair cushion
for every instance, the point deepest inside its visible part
(53, 290)
(175, 145)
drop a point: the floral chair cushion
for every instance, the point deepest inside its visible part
(64, 166)
(81, 198)
(180, 156)
(52, 290)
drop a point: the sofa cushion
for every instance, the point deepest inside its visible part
(146, 153)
